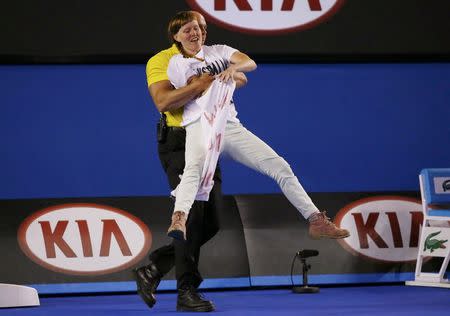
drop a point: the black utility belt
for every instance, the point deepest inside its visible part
(175, 128)
(162, 129)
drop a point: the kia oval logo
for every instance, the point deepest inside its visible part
(84, 239)
(267, 17)
(383, 228)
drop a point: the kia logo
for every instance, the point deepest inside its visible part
(84, 239)
(267, 17)
(383, 228)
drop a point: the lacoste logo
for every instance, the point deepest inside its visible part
(446, 185)
(433, 244)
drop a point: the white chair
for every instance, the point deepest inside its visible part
(435, 234)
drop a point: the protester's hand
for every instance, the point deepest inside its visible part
(227, 74)
(240, 78)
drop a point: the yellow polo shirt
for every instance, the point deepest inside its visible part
(156, 70)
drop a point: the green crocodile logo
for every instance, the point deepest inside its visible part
(434, 244)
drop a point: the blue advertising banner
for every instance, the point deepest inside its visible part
(91, 244)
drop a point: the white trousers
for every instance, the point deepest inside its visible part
(248, 149)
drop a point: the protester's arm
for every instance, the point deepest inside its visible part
(167, 98)
(240, 62)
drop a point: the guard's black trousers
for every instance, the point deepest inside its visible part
(202, 223)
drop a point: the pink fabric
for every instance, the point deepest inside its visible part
(216, 105)
(216, 110)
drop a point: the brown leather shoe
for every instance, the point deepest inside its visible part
(177, 228)
(323, 227)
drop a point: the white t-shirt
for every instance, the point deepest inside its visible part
(216, 59)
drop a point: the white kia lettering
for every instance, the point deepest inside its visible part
(84, 238)
(384, 228)
(267, 16)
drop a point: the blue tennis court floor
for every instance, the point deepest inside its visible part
(359, 300)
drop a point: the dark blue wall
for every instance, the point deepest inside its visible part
(69, 131)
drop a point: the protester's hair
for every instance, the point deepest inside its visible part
(175, 23)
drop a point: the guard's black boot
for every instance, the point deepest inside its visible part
(147, 280)
(191, 301)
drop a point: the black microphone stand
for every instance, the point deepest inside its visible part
(305, 289)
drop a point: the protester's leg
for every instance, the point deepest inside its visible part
(246, 148)
(195, 154)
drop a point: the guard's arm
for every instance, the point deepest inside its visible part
(167, 98)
